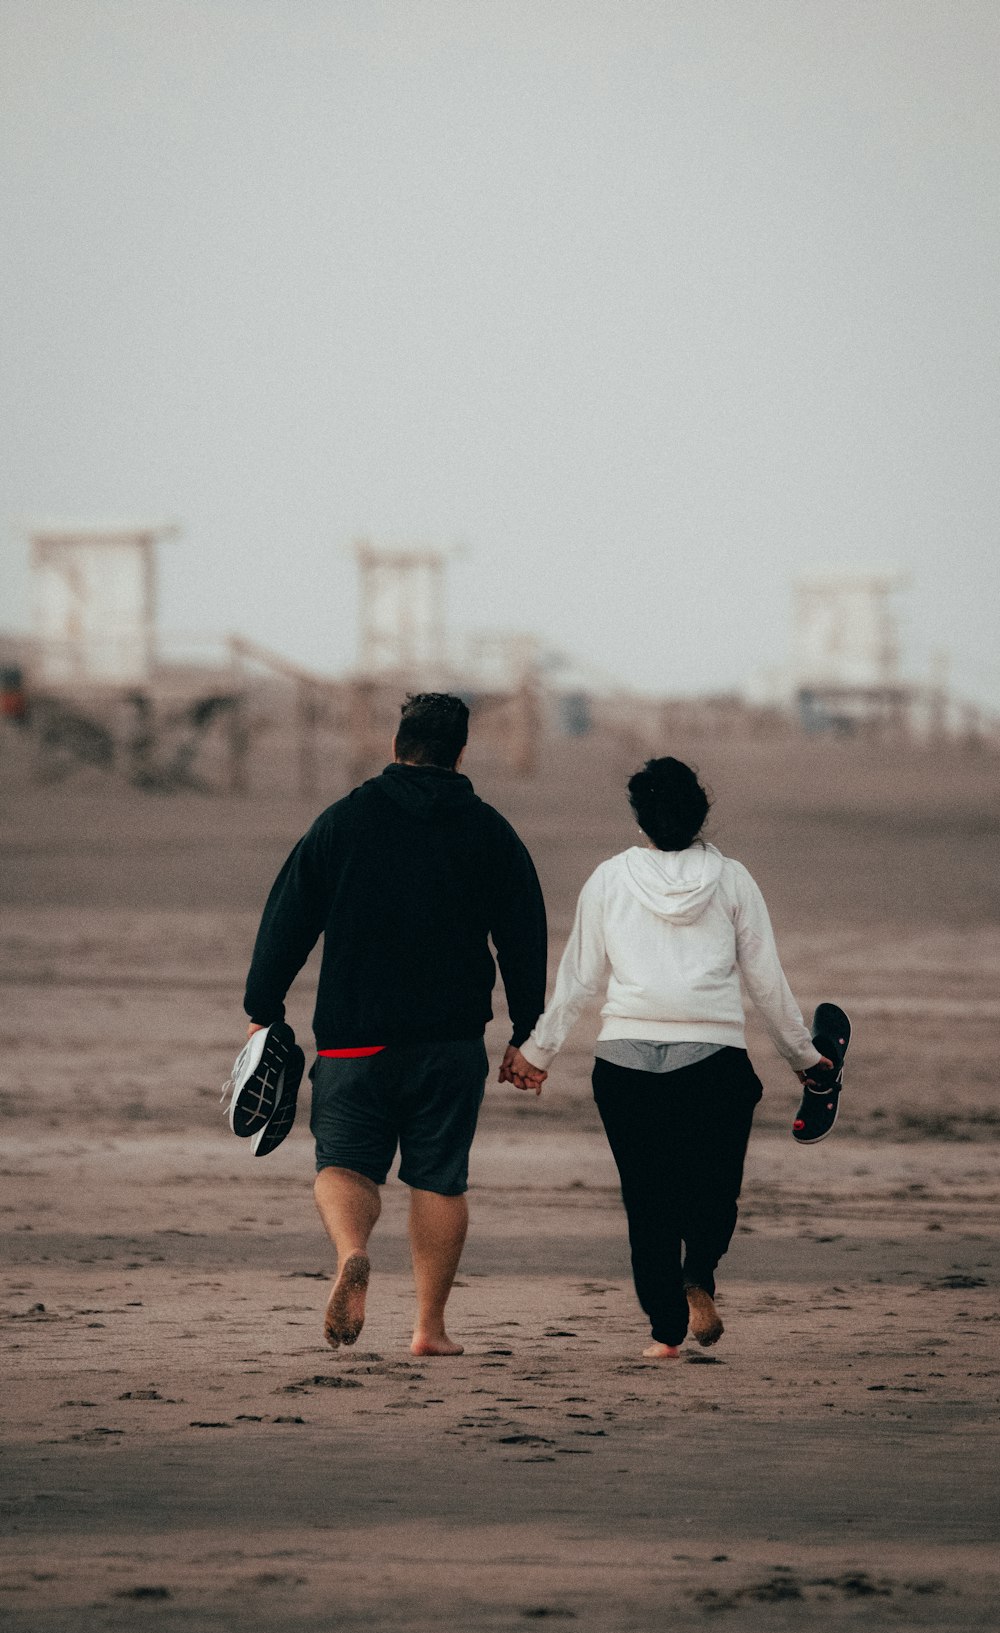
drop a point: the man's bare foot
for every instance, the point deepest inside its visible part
(706, 1323)
(345, 1310)
(662, 1352)
(434, 1344)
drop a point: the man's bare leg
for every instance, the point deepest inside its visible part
(349, 1204)
(437, 1235)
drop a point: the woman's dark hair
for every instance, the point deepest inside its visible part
(669, 802)
(433, 729)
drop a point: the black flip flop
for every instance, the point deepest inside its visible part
(817, 1114)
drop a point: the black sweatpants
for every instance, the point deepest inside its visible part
(679, 1140)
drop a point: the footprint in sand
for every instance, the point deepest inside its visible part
(319, 1380)
(375, 1367)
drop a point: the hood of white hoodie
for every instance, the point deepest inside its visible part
(676, 885)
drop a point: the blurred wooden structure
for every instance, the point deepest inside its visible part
(403, 629)
(404, 647)
(93, 688)
(94, 595)
(846, 654)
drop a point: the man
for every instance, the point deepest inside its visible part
(405, 878)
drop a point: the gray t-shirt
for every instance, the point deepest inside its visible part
(645, 1055)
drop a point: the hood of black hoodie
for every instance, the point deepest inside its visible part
(428, 792)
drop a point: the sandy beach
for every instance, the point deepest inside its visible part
(181, 1450)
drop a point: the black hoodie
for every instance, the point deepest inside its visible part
(405, 879)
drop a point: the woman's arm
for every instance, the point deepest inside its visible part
(764, 978)
(580, 978)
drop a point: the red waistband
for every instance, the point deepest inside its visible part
(350, 1054)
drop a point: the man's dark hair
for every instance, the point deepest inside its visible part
(433, 729)
(669, 802)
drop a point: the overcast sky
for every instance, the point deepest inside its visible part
(652, 303)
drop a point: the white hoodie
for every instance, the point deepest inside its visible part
(678, 929)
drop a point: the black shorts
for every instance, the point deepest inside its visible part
(422, 1097)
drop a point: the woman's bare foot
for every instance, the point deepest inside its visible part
(345, 1310)
(425, 1343)
(662, 1352)
(706, 1323)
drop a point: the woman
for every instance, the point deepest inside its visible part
(679, 924)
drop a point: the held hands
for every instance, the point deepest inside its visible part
(514, 1068)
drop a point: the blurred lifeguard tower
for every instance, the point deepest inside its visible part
(404, 645)
(846, 652)
(97, 691)
(402, 606)
(95, 603)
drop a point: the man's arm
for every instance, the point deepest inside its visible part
(295, 913)
(520, 936)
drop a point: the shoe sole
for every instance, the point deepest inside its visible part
(831, 1026)
(803, 1136)
(254, 1102)
(279, 1124)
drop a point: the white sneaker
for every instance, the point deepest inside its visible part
(256, 1078)
(283, 1116)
